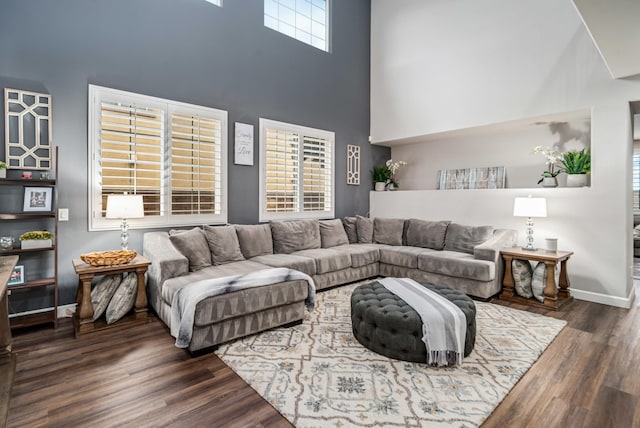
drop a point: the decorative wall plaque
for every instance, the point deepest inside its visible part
(27, 129)
(353, 164)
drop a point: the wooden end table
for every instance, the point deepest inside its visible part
(83, 318)
(555, 295)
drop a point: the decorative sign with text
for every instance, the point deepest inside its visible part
(243, 144)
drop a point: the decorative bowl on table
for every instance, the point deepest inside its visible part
(109, 258)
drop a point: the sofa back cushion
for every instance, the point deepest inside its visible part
(223, 243)
(332, 233)
(193, 245)
(464, 238)
(255, 239)
(351, 228)
(297, 235)
(388, 230)
(364, 226)
(426, 234)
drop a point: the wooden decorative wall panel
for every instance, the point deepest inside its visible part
(353, 164)
(27, 129)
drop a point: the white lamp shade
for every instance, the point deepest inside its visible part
(125, 206)
(530, 207)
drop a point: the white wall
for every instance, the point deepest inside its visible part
(446, 65)
(511, 148)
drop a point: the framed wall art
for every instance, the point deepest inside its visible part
(472, 178)
(17, 276)
(37, 199)
(353, 165)
(27, 129)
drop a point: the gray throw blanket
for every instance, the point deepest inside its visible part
(444, 325)
(183, 305)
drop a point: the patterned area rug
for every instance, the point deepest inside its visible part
(317, 374)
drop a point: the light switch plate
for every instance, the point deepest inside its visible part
(63, 214)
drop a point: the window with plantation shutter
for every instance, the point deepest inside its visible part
(636, 182)
(171, 153)
(296, 172)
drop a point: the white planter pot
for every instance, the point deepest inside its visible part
(549, 182)
(35, 243)
(576, 180)
(379, 186)
(3, 173)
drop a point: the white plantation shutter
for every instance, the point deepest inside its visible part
(636, 182)
(296, 172)
(131, 153)
(174, 154)
(196, 164)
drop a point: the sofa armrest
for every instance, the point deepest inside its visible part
(490, 249)
(166, 261)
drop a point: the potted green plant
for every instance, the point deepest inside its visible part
(3, 169)
(381, 176)
(36, 239)
(577, 164)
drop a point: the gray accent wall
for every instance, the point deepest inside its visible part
(194, 52)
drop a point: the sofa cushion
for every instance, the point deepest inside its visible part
(193, 245)
(332, 233)
(297, 235)
(351, 228)
(457, 264)
(303, 264)
(255, 239)
(326, 259)
(361, 254)
(223, 243)
(401, 255)
(388, 231)
(364, 226)
(171, 285)
(426, 234)
(464, 238)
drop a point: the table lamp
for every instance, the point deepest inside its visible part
(124, 207)
(530, 207)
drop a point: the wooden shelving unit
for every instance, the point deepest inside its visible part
(50, 280)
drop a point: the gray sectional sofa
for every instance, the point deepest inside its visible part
(332, 252)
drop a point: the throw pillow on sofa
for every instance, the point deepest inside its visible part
(463, 238)
(365, 230)
(351, 228)
(426, 234)
(223, 243)
(255, 239)
(332, 233)
(193, 245)
(539, 280)
(297, 235)
(102, 292)
(123, 299)
(522, 276)
(388, 230)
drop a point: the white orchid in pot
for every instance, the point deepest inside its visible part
(393, 168)
(548, 177)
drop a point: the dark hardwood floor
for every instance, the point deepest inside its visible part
(134, 377)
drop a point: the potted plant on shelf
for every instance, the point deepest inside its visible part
(381, 176)
(393, 168)
(548, 177)
(3, 169)
(36, 239)
(577, 164)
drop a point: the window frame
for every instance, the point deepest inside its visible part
(302, 131)
(98, 94)
(296, 28)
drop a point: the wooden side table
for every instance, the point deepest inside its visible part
(555, 295)
(83, 318)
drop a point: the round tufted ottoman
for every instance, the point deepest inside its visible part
(386, 324)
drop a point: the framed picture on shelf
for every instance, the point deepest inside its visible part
(17, 276)
(37, 199)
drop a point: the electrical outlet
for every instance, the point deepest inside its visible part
(63, 214)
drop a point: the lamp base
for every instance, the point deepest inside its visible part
(529, 249)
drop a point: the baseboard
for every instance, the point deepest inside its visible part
(589, 296)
